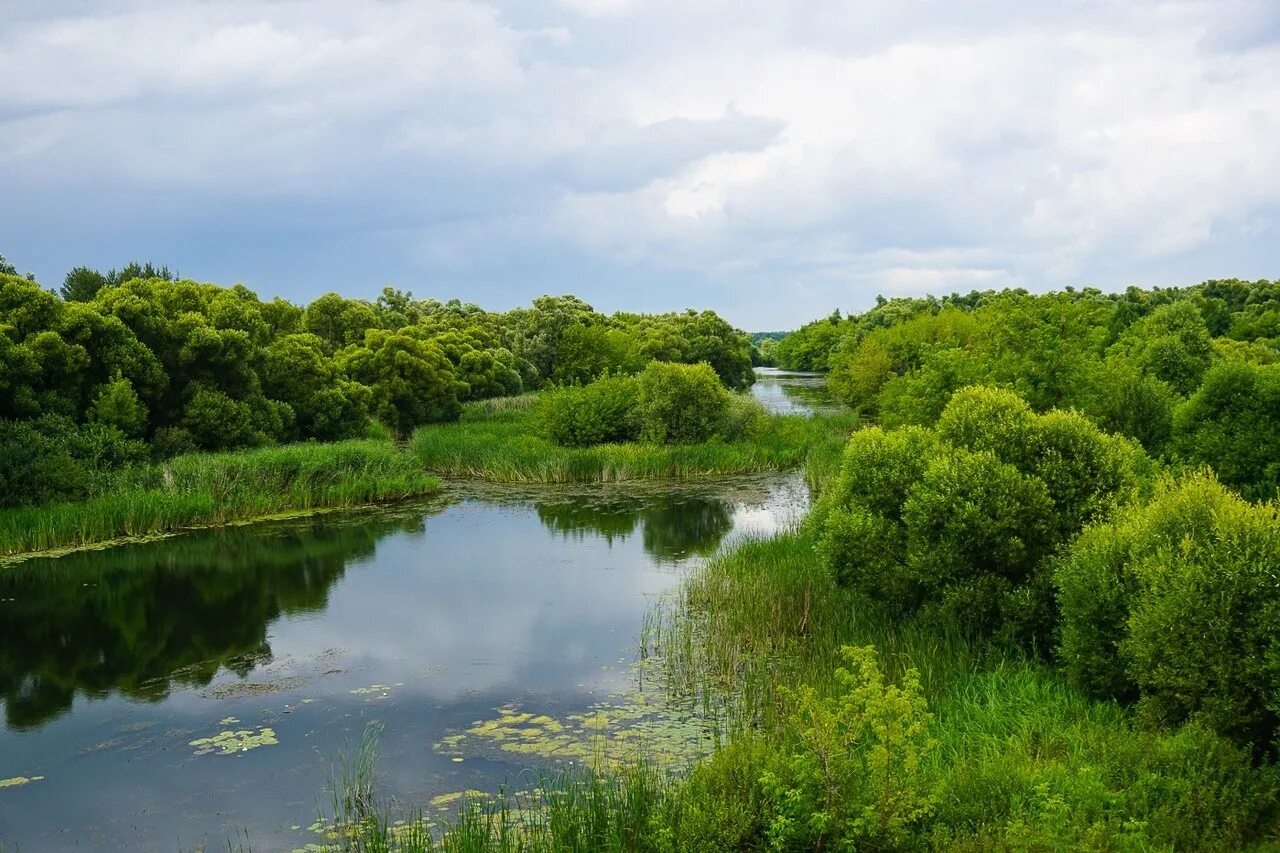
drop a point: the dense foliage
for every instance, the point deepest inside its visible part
(664, 404)
(960, 520)
(1176, 602)
(1188, 372)
(132, 363)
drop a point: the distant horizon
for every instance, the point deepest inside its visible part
(723, 311)
(771, 160)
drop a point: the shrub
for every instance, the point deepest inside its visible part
(51, 459)
(1176, 603)
(858, 777)
(961, 520)
(744, 416)
(681, 403)
(977, 531)
(1127, 401)
(1230, 423)
(604, 411)
(37, 468)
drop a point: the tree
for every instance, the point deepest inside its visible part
(82, 284)
(339, 322)
(1230, 423)
(117, 405)
(327, 405)
(413, 381)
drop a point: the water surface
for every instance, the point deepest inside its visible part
(789, 392)
(425, 618)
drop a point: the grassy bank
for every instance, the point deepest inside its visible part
(204, 489)
(920, 741)
(498, 441)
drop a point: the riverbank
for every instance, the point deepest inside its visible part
(495, 442)
(847, 727)
(900, 737)
(500, 443)
(210, 489)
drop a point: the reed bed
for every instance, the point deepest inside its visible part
(208, 489)
(501, 444)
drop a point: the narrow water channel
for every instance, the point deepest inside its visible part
(175, 694)
(788, 392)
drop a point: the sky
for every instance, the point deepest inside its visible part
(771, 160)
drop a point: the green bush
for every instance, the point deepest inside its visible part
(52, 459)
(859, 775)
(681, 403)
(977, 533)
(1230, 423)
(960, 520)
(666, 403)
(1177, 603)
(581, 416)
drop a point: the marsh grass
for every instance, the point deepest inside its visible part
(575, 810)
(1020, 760)
(499, 441)
(208, 489)
(1023, 761)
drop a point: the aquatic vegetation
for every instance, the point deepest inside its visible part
(375, 691)
(18, 781)
(234, 741)
(242, 689)
(608, 734)
(453, 797)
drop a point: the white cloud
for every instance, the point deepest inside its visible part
(710, 144)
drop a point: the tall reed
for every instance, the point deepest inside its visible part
(502, 444)
(203, 489)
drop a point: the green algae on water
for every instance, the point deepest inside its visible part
(608, 734)
(232, 742)
(19, 781)
(375, 691)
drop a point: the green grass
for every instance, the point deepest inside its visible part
(206, 489)
(1023, 761)
(1020, 761)
(498, 441)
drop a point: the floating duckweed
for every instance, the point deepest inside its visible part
(18, 781)
(228, 721)
(449, 799)
(606, 735)
(235, 741)
(376, 691)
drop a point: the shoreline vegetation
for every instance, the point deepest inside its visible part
(212, 489)
(498, 441)
(850, 730)
(494, 441)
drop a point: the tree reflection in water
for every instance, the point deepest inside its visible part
(673, 527)
(141, 619)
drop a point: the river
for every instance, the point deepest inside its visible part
(181, 693)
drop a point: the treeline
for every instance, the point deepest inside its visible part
(133, 364)
(1190, 373)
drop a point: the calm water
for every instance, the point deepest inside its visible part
(789, 393)
(425, 619)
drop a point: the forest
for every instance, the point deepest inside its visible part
(133, 365)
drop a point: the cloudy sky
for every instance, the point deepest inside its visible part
(769, 159)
